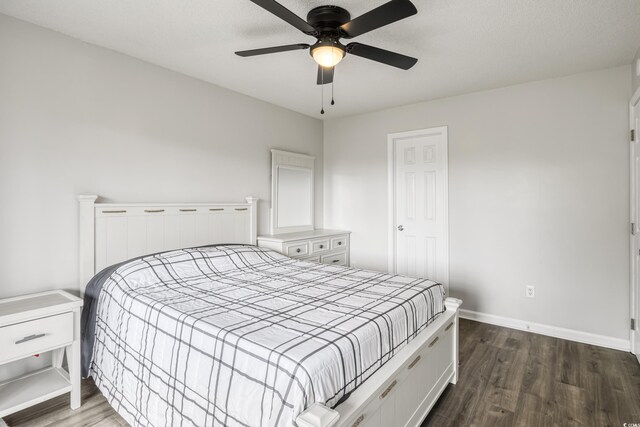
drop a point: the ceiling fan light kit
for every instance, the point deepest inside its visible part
(327, 54)
(329, 24)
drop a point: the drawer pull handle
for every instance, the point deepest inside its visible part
(321, 246)
(242, 209)
(448, 327)
(388, 390)
(216, 209)
(434, 342)
(298, 250)
(153, 210)
(109, 212)
(30, 338)
(188, 210)
(358, 421)
(415, 362)
(335, 260)
(339, 243)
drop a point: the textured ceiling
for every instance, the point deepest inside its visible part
(462, 45)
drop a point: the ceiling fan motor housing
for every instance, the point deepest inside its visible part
(328, 18)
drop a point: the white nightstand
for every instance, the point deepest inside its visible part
(34, 324)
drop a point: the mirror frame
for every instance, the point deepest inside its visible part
(280, 158)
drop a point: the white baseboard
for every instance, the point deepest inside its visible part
(552, 331)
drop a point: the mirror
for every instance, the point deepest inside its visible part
(291, 192)
(294, 197)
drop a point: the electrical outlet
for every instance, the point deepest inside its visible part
(531, 291)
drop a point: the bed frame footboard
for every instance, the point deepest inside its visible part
(405, 389)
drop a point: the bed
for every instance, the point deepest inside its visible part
(227, 333)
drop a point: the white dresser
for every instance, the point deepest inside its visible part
(34, 324)
(324, 246)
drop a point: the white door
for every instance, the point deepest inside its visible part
(418, 201)
(635, 220)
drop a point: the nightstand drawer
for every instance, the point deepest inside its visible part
(35, 336)
(335, 259)
(298, 249)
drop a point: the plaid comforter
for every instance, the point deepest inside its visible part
(240, 335)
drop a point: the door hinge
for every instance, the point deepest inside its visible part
(633, 135)
(633, 324)
(633, 228)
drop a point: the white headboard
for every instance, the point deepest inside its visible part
(114, 232)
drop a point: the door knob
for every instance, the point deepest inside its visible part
(400, 228)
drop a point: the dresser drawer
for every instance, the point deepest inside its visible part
(335, 259)
(339, 242)
(297, 249)
(35, 336)
(319, 246)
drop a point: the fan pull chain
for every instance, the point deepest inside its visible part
(332, 101)
(322, 89)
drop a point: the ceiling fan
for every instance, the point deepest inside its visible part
(329, 24)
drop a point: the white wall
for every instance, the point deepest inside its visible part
(635, 71)
(538, 195)
(76, 118)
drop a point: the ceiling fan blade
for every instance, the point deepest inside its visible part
(386, 14)
(381, 55)
(286, 15)
(275, 49)
(328, 75)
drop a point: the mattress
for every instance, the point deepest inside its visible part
(240, 335)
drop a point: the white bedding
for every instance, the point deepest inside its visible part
(239, 335)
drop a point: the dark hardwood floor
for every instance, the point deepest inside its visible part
(515, 378)
(507, 378)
